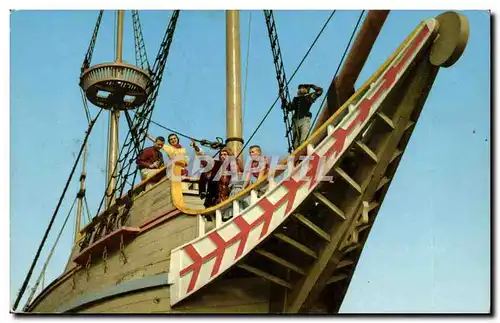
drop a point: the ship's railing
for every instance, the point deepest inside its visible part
(116, 215)
(214, 218)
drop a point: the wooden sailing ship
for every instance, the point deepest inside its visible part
(295, 247)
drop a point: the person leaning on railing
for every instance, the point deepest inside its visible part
(258, 168)
(150, 160)
(175, 151)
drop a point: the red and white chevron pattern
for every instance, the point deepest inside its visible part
(195, 264)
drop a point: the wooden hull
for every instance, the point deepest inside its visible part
(162, 229)
(245, 295)
(140, 285)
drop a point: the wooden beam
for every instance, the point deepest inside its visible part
(383, 181)
(352, 247)
(280, 261)
(336, 278)
(348, 179)
(386, 119)
(344, 263)
(396, 154)
(329, 204)
(297, 245)
(362, 228)
(409, 125)
(265, 275)
(367, 150)
(312, 226)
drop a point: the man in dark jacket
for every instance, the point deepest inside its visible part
(150, 160)
(300, 106)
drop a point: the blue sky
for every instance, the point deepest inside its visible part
(429, 250)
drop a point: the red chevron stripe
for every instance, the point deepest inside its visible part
(195, 266)
(220, 247)
(245, 231)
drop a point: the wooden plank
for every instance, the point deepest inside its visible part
(148, 254)
(102, 280)
(349, 179)
(373, 205)
(280, 261)
(262, 307)
(157, 296)
(352, 247)
(396, 154)
(190, 192)
(383, 181)
(151, 211)
(299, 246)
(116, 273)
(363, 227)
(193, 202)
(336, 278)
(157, 242)
(110, 241)
(344, 263)
(409, 125)
(386, 119)
(312, 226)
(265, 275)
(367, 150)
(228, 292)
(118, 291)
(329, 204)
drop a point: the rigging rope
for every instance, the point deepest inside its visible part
(280, 75)
(44, 268)
(291, 78)
(87, 209)
(141, 57)
(338, 68)
(176, 132)
(85, 106)
(166, 128)
(90, 50)
(42, 243)
(133, 134)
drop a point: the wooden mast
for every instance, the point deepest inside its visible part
(234, 135)
(342, 87)
(114, 116)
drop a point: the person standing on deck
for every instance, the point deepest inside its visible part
(175, 151)
(150, 160)
(300, 106)
(218, 185)
(259, 168)
(215, 187)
